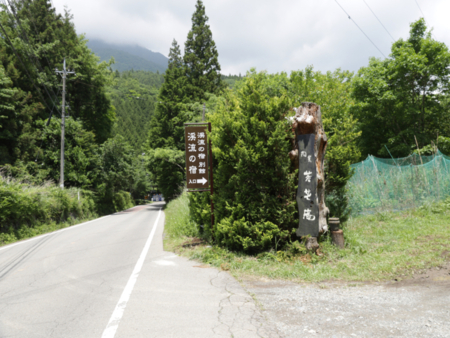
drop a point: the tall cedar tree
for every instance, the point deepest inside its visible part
(166, 132)
(201, 58)
(186, 82)
(41, 39)
(166, 126)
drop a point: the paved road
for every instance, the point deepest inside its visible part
(111, 278)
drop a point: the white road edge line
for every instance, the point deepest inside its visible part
(60, 230)
(113, 324)
(51, 233)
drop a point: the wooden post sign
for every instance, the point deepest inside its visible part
(308, 155)
(199, 165)
(307, 187)
(197, 168)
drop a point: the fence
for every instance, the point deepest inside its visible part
(380, 184)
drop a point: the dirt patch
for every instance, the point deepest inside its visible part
(193, 243)
(436, 277)
(134, 209)
(415, 307)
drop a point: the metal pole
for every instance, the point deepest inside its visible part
(211, 181)
(63, 126)
(63, 73)
(203, 117)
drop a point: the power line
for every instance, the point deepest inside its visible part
(23, 65)
(38, 35)
(30, 78)
(31, 54)
(47, 124)
(64, 74)
(360, 28)
(420, 9)
(379, 20)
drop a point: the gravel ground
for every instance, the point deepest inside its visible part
(416, 307)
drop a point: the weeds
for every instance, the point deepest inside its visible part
(178, 225)
(27, 210)
(378, 247)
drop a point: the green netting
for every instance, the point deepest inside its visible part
(380, 184)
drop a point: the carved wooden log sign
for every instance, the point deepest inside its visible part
(308, 156)
(307, 186)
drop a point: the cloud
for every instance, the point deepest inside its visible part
(270, 35)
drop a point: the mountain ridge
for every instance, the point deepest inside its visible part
(129, 56)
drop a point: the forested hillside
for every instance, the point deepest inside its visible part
(134, 95)
(101, 170)
(231, 80)
(128, 57)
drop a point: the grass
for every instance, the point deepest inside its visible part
(40, 229)
(28, 210)
(379, 247)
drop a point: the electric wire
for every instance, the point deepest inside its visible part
(360, 28)
(420, 9)
(45, 87)
(379, 20)
(47, 124)
(31, 55)
(37, 34)
(23, 65)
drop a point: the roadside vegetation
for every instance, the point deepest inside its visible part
(27, 210)
(382, 246)
(100, 164)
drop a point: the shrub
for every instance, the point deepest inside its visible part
(122, 200)
(200, 212)
(24, 205)
(255, 195)
(255, 181)
(244, 235)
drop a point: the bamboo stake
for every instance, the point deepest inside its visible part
(420, 156)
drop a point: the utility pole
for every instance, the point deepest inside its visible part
(64, 74)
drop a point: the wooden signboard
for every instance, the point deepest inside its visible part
(307, 187)
(197, 159)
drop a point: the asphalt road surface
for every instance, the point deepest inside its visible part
(111, 278)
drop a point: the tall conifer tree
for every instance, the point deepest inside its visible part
(35, 41)
(166, 132)
(166, 127)
(201, 57)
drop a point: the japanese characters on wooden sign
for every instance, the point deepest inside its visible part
(197, 168)
(307, 187)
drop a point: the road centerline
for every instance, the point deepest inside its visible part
(113, 324)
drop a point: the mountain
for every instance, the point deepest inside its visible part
(134, 95)
(129, 57)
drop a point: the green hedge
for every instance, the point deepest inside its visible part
(25, 205)
(122, 200)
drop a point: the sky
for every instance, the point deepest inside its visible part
(276, 36)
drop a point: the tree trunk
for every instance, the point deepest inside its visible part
(308, 120)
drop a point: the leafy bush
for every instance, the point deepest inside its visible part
(256, 183)
(200, 212)
(24, 206)
(338, 202)
(255, 195)
(122, 200)
(243, 235)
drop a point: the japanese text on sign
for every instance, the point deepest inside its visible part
(307, 185)
(196, 157)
